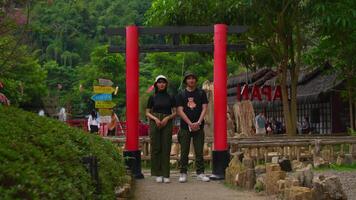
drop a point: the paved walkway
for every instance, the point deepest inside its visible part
(148, 189)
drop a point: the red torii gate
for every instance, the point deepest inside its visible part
(220, 153)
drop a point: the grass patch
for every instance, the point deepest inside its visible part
(41, 159)
(336, 167)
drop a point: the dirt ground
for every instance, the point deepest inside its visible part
(148, 189)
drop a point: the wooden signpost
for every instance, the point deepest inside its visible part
(103, 89)
(103, 99)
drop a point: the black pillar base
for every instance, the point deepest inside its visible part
(133, 163)
(220, 162)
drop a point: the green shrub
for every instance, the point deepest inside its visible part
(40, 158)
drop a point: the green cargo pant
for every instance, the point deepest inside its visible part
(184, 137)
(161, 142)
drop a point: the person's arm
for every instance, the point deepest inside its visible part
(89, 123)
(185, 118)
(169, 117)
(152, 117)
(203, 113)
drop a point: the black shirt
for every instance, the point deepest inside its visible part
(192, 105)
(161, 102)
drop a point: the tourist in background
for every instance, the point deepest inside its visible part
(260, 123)
(112, 124)
(93, 122)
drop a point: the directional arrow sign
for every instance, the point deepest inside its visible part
(103, 89)
(105, 119)
(105, 112)
(104, 104)
(102, 97)
(105, 82)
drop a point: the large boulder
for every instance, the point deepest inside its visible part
(305, 176)
(231, 172)
(328, 188)
(296, 164)
(297, 193)
(319, 162)
(260, 183)
(260, 169)
(273, 175)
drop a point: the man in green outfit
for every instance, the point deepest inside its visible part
(192, 105)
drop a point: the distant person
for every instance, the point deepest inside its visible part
(277, 126)
(260, 123)
(305, 125)
(62, 115)
(112, 124)
(41, 113)
(161, 112)
(192, 105)
(93, 122)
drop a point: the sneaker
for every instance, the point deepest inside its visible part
(166, 180)
(183, 178)
(159, 179)
(202, 177)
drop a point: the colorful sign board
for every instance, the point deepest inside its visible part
(105, 82)
(104, 104)
(105, 112)
(103, 90)
(105, 119)
(102, 97)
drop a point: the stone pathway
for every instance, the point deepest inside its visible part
(148, 189)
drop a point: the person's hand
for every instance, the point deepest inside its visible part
(164, 121)
(195, 126)
(158, 123)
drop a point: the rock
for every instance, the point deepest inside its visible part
(260, 169)
(328, 188)
(250, 179)
(260, 183)
(319, 162)
(348, 160)
(285, 165)
(272, 167)
(353, 151)
(259, 187)
(297, 165)
(340, 159)
(281, 185)
(305, 176)
(235, 167)
(123, 192)
(298, 193)
(275, 159)
(326, 155)
(248, 163)
(273, 175)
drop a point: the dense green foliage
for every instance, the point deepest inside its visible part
(41, 159)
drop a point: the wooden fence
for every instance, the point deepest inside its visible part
(262, 149)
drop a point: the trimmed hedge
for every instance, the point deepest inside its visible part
(40, 158)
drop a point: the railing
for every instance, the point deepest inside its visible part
(262, 149)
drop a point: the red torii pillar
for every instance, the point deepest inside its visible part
(132, 152)
(220, 152)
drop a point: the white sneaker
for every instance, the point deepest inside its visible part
(183, 178)
(166, 180)
(202, 177)
(159, 179)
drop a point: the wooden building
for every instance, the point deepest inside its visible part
(318, 98)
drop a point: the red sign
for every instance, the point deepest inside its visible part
(258, 93)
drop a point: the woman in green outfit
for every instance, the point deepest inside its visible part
(160, 111)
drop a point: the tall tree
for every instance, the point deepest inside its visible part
(275, 31)
(335, 30)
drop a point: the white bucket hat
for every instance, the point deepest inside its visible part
(161, 77)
